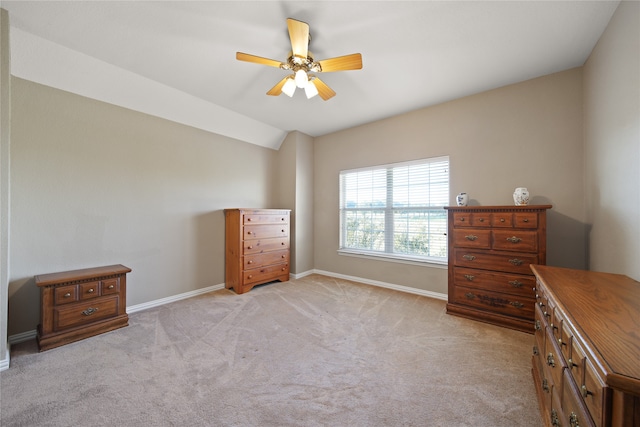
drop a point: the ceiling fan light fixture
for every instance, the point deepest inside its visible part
(289, 87)
(310, 89)
(301, 78)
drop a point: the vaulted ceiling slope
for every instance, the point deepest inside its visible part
(176, 59)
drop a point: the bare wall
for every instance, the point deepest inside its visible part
(612, 145)
(523, 135)
(94, 184)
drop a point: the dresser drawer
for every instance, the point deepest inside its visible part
(501, 282)
(65, 294)
(573, 406)
(508, 262)
(265, 231)
(267, 258)
(505, 304)
(472, 238)
(265, 274)
(525, 220)
(592, 391)
(540, 329)
(260, 218)
(553, 359)
(515, 240)
(83, 313)
(265, 245)
(502, 219)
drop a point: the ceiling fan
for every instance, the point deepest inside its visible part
(302, 63)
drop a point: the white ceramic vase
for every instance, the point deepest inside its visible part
(462, 199)
(521, 196)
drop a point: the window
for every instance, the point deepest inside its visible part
(396, 210)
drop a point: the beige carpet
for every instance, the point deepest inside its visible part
(316, 351)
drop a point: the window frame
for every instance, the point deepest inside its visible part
(388, 210)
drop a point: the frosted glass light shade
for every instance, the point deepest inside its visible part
(289, 87)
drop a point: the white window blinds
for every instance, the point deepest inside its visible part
(396, 209)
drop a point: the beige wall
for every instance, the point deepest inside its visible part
(612, 145)
(95, 184)
(523, 135)
(295, 192)
(5, 123)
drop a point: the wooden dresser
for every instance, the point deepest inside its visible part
(81, 303)
(586, 352)
(490, 250)
(257, 247)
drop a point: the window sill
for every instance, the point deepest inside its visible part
(394, 258)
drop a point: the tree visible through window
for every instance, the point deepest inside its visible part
(396, 209)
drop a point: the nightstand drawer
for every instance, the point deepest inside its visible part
(110, 286)
(89, 290)
(65, 294)
(84, 313)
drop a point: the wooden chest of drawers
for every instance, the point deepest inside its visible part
(490, 250)
(81, 303)
(586, 350)
(257, 247)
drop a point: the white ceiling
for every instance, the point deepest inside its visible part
(176, 59)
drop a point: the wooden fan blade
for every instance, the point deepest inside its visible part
(342, 63)
(277, 89)
(257, 59)
(324, 91)
(299, 35)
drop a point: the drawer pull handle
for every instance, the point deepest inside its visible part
(248, 219)
(110, 287)
(249, 247)
(282, 219)
(468, 257)
(545, 385)
(555, 421)
(481, 220)
(283, 231)
(538, 326)
(250, 262)
(67, 295)
(516, 284)
(517, 304)
(90, 291)
(89, 311)
(535, 350)
(282, 256)
(462, 219)
(525, 220)
(469, 295)
(585, 392)
(571, 364)
(516, 261)
(501, 219)
(249, 232)
(469, 277)
(514, 239)
(471, 237)
(573, 420)
(550, 360)
(562, 343)
(250, 276)
(283, 268)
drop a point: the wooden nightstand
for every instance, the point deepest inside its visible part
(81, 303)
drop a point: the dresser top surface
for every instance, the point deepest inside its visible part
(499, 208)
(605, 308)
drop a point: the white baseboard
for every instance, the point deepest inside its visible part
(4, 363)
(378, 283)
(167, 300)
(303, 274)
